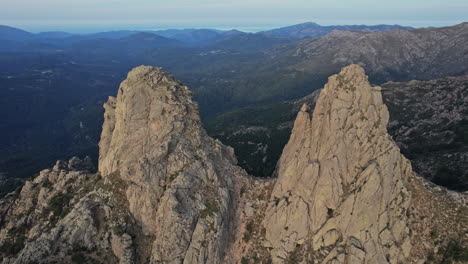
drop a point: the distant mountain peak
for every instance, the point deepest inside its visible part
(311, 29)
(306, 24)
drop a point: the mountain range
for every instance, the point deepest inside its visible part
(52, 90)
(189, 36)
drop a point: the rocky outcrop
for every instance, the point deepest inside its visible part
(342, 194)
(58, 216)
(165, 192)
(180, 183)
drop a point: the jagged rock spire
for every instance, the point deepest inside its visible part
(341, 179)
(151, 107)
(179, 180)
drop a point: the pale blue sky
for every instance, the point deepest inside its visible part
(249, 15)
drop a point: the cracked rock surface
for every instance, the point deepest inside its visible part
(180, 181)
(342, 190)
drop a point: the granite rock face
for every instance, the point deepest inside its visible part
(56, 217)
(342, 182)
(180, 182)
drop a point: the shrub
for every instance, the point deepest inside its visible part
(78, 258)
(210, 210)
(59, 205)
(16, 239)
(13, 247)
(455, 251)
(46, 183)
(118, 230)
(248, 234)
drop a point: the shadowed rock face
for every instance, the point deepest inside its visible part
(341, 179)
(180, 181)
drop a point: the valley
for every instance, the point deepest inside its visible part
(62, 81)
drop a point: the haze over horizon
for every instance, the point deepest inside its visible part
(247, 15)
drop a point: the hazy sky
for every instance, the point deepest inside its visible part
(249, 15)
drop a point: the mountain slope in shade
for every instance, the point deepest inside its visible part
(198, 37)
(429, 123)
(53, 35)
(120, 48)
(247, 42)
(311, 30)
(14, 34)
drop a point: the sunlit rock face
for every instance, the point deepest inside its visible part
(341, 179)
(179, 181)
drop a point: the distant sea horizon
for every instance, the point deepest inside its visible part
(251, 28)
